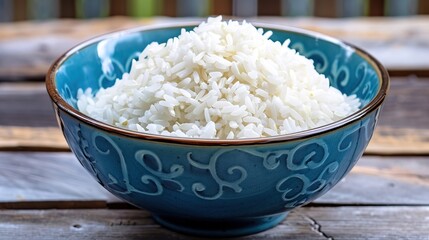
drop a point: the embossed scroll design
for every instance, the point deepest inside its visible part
(298, 187)
(365, 90)
(270, 160)
(113, 69)
(319, 58)
(198, 188)
(156, 179)
(346, 141)
(314, 160)
(80, 147)
(68, 96)
(359, 80)
(363, 80)
(295, 189)
(340, 73)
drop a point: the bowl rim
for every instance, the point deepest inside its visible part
(374, 104)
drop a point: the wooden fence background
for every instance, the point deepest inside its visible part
(18, 10)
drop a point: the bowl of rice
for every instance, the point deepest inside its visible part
(218, 128)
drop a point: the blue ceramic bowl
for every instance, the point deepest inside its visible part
(216, 187)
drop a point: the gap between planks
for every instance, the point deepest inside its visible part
(101, 204)
(385, 141)
(301, 223)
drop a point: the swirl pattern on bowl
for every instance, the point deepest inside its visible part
(290, 174)
(252, 182)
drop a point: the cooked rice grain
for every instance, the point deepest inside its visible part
(223, 80)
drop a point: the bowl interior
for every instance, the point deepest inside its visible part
(98, 63)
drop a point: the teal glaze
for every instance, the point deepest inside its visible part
(247, 187)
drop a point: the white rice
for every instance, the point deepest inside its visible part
(223, 80)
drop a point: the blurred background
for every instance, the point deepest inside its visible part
(35, 173)
(17, 10)
(45, 29)
(33, 33)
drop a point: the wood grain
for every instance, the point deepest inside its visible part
(36, 177)
(407, 104)
(385, 38)
(383, 181)
(386, 140)
(46, 180)
(399, 141)
(369, 222)
(48, 195)
(26, 104)
(33, 139)
(27, 120)
(303, 223)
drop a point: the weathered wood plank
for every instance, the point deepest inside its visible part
(386, 38)
(25, 104)
(54, 38)
(369, 222)
(383, 180)
(303, 223)
(32, 139)
(407, 104)
(28, 104)
(49, 178)
(399, 141)
(46, 177)
(403, 126)
(385, 141)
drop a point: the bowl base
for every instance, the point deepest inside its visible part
(220, 228)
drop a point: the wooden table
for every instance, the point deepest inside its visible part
(46, 194)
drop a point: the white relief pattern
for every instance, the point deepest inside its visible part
(311, 156)
(311, 159)
(355, 130)
(198, 188)
(270, 161)
(319, 58)
(175, 170)
(340, 74)
(114, 69)
(305, 185)
(155, 181)
(67, 95)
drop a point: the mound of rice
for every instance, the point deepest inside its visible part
(223, 80)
